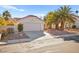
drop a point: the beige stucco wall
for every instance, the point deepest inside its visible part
(32, 24)
(77, 23)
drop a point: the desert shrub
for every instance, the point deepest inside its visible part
(4, 34)
(20, 27)
(74, 26)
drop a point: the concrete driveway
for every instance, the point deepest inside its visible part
(33, 35)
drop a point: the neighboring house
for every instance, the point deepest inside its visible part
(32, 23)
(11, 23)
(77, 22)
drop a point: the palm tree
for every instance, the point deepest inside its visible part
(59, 17)
(6, 15)
(65, 14)
(55, 19)
(48, 20)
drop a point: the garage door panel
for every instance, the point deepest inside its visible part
(32, 27)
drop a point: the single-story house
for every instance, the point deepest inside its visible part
(11, 23)
(76, 23)
(32, 23)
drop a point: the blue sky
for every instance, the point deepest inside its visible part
(38, 10)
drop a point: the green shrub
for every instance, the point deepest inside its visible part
(20, 27)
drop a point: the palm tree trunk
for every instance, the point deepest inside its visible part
(56, 27)
(50, 26)
(62, 25)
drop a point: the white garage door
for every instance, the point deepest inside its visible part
(32, 27)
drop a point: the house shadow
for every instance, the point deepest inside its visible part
(70, 38)
(67, 36)
(30, 36)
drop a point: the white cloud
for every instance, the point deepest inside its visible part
(11, 8)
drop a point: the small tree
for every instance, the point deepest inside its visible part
(6, 14)
(20, 27)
